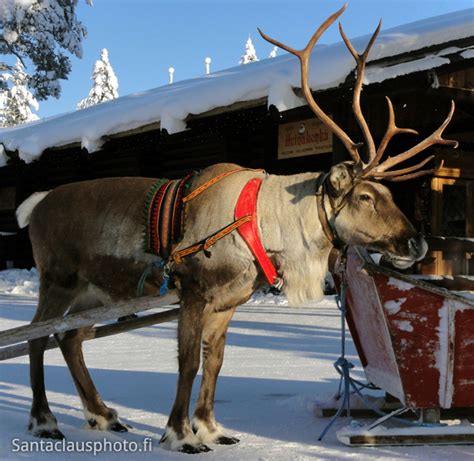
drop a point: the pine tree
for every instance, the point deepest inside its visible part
(16, 101)
(250, 53)
(105, 84)
(40, 31)
(273, 53)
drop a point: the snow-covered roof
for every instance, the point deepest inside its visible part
(273, 79)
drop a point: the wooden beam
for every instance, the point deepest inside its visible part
(84, 319)
(21, 349)
(415, 439)
(446, 413)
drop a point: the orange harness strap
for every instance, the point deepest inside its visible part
(178, 256)
(213, 181)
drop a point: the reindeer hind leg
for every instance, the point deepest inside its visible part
(53, 302)
(98, 416)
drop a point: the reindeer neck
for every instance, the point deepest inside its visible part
(292, 233)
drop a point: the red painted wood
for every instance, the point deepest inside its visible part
(371, 330)
(415, 340)
(464, 359)
(415, 344)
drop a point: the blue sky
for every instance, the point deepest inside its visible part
(146, 37)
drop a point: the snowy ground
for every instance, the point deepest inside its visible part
(279, 360)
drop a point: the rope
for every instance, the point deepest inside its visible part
(346, 381)
(158, 264)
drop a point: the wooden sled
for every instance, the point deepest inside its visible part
(415, 341)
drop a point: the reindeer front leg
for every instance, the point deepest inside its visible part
(178, 435)
(213, 340)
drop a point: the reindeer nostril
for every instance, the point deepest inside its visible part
(417, 247)
(413, 245)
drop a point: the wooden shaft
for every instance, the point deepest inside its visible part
(84, 319)
(21, 349)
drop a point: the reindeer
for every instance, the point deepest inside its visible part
(88, 247)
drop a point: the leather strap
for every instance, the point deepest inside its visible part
(247, 205)
(199, 190)
(246, 224)
(178, 256)
(328, 230)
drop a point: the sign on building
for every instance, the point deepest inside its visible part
(305, 137)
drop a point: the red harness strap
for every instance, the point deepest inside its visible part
(247, 205)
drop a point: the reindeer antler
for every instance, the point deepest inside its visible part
(304, 55)
(361, 60)
(372, 168)
(380, 171)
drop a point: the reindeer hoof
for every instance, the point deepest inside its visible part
(50, 434)
(223, 440)
(118, 427)
(192, 450)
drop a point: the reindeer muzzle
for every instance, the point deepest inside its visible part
(417, 247)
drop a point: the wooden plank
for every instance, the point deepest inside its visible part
(21, 349)
(415, 439)
(446, 413)
(84, 319)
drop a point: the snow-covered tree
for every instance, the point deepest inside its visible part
(16, 101)
(41, 31)
(105, 86)
(273, 53)
(250, 53)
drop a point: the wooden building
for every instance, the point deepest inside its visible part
(421, 82)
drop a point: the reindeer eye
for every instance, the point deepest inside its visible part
(365, 197)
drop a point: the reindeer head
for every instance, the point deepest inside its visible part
(362, 211)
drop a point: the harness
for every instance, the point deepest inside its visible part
(329, 231)
(164, 215)
(245, 222)
(164, 222)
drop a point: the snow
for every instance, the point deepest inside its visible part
(273, 79)
(404, 325)
(394, 306)
(466, 294)
(274, 52)
(399, 284)
(468, 54)
(250, 53)
(19, 282)
(17, 103)
(105, 85)
(38, 32)
(377, 74)
(279, 362)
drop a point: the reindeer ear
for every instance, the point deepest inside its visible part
(340, 179)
